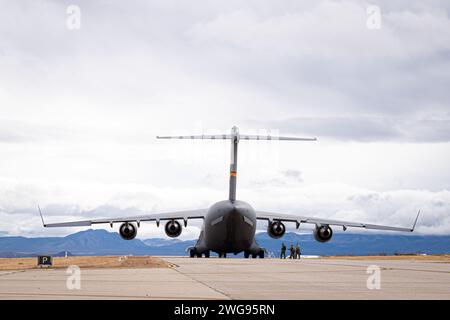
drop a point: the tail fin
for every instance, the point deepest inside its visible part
(235, 137)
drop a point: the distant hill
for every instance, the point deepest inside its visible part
(102, 242)
(169, 247)
(89, 242)
(360, 244)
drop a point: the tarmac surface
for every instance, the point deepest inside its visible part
(216, 278)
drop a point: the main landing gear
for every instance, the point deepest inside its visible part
(254, 255)
(193, 253)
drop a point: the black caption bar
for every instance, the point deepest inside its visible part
(268, 309)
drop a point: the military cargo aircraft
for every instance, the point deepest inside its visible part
(229, 226)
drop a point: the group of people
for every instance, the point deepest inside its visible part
(295, 251)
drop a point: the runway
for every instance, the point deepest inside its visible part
(238, 279)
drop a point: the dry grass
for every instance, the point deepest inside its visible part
(87, 262)
(154, 262)
(433, 257)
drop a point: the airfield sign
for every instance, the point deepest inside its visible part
(45, 261)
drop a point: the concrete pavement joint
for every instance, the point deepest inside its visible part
(203, 283)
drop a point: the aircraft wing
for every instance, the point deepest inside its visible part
(179, 215)
(317, 221)
(241, 136)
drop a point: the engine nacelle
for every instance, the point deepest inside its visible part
(323, 233)
(276, 229)
(173, 228)
(128, 231)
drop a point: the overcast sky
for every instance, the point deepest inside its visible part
(80, 109)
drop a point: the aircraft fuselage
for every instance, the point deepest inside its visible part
(229, 227)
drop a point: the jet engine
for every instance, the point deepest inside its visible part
(128, 231)
(276, 229)
(173, 228)
(323, 233)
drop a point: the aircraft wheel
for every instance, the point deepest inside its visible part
(192, 253)
(207, 254)
(246, 254)
(222, 255)
(261, 254)
(254, 255)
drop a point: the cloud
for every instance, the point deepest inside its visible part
(80, 109)
(323, 58)
(326, 200)
(344, 202)
(17, 131)
(279, 178)
(262, 60)
(368, 128)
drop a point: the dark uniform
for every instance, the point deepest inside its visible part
(283, 251)
(297, 251)
(292, 252)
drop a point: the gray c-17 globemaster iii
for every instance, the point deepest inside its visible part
(229, 226)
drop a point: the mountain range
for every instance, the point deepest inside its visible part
(102, 242)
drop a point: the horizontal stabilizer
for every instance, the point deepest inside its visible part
(203, 136)
(261, 137)
(240, 137)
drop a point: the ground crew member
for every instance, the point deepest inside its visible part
(292, 250)
(297, 251)
(283, 251)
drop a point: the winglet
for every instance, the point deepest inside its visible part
(415, 221)
(42, 218)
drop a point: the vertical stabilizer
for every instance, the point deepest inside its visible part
(233, 164)
(235, 136)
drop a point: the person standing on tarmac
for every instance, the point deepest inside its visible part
(297, 251)
(292, 250)
(283, 251)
